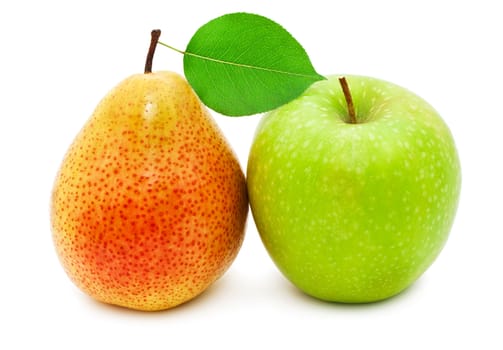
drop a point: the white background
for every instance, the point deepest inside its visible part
(58, 59)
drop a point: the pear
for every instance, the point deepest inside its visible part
(149, 206)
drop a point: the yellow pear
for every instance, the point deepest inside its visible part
(149, 206)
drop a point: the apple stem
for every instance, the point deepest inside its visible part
(154, 35)
(349, 100)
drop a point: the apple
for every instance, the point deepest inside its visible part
(353, 187)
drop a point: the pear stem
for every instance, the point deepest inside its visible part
(349, 100)
(154, 38)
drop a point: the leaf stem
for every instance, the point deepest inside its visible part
(171, 47)
(154, 39)
(349, 100)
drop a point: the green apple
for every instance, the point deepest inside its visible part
(353, 212)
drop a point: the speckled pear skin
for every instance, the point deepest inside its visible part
(149, 206)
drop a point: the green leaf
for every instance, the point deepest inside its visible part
(243, 64)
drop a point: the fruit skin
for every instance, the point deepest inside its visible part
(353, 212)
(149, 206)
